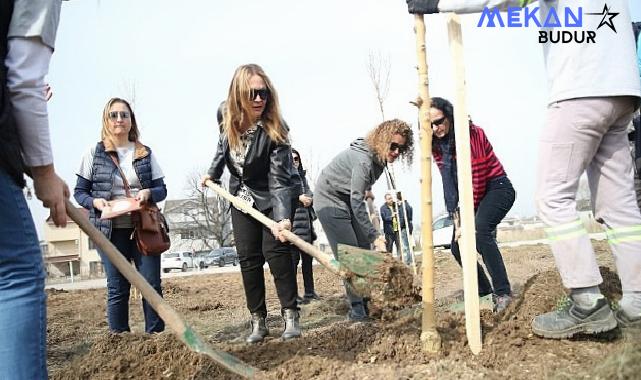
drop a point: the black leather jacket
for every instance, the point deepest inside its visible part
(268, 173)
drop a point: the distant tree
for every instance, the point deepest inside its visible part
(211, 218)
(378, 69)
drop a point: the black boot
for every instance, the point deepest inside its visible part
(292, 326)
(258, 329)
(311, 296)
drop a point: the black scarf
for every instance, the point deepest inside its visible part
(447, 147)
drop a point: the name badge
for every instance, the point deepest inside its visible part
(243, 193)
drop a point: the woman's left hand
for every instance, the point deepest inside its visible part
(305, 200)
(143, 195)
(278, 228)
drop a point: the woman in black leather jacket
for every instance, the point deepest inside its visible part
(255, 149)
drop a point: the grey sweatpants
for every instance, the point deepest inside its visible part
(336, 217)
(589, 134)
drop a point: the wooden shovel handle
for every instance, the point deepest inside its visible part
(164, 310)
(328, 261)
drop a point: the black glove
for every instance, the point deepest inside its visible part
(422, 6)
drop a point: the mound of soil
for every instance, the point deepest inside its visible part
(332, 347)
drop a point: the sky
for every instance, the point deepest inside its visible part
(176, 64)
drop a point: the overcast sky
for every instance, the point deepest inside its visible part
(180, 60)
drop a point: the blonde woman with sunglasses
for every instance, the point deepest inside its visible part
(254, 147)
(99, 181)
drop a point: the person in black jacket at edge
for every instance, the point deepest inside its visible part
(303, 226)
(254, 147)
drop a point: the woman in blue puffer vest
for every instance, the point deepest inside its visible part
(99, 181)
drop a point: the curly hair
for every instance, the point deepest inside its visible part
(380, 138)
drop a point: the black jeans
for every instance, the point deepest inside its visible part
(306, 268)
(255, 244)
(496, 203)
(390, 241)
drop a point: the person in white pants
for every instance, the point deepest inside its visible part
(594, 90)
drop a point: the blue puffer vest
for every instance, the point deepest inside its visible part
(102, 181)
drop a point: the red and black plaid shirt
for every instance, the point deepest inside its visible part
(485, 164)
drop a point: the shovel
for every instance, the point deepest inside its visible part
(369, 273)
(182, 330)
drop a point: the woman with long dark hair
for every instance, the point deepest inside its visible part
(493, 196)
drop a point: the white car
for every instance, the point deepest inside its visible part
(177, 260)
(442, 228)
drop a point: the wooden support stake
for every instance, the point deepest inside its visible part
(430, 339)
(467, 241)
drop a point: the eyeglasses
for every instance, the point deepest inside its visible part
(396, 146)
(255, 92)
(113, 115)
(296, 159)
(437, 122)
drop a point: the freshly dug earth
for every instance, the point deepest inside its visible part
(391, 288)
(81, 348)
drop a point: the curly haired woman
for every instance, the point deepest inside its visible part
(341, 186)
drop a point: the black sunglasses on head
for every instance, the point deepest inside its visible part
(255, 92)
(396, 146)
(437, 122)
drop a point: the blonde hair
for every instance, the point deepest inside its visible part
(238, 111)
(379, 139)
(105, 134)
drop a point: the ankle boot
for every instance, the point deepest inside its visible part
(292, 326)
(258, 329)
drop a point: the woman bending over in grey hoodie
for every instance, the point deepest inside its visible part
(340, 190)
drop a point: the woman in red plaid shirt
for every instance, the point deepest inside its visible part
(493, 196)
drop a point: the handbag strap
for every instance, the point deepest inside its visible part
(114, 158)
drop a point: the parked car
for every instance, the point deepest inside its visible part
(442, 228)
(222, 256)
(200, 257)
(177, 260)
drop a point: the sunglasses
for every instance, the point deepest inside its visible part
(437, 122)
(396, 146)
(296, 159)
(113, 115)
(255, 92)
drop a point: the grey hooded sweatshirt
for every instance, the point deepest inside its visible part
(343, 182)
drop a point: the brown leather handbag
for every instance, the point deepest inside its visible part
(150, 226)
(150, 230)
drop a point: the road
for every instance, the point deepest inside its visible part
(102, 282)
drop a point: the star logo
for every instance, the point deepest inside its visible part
(607, 17)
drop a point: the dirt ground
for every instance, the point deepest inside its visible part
(81, 348)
